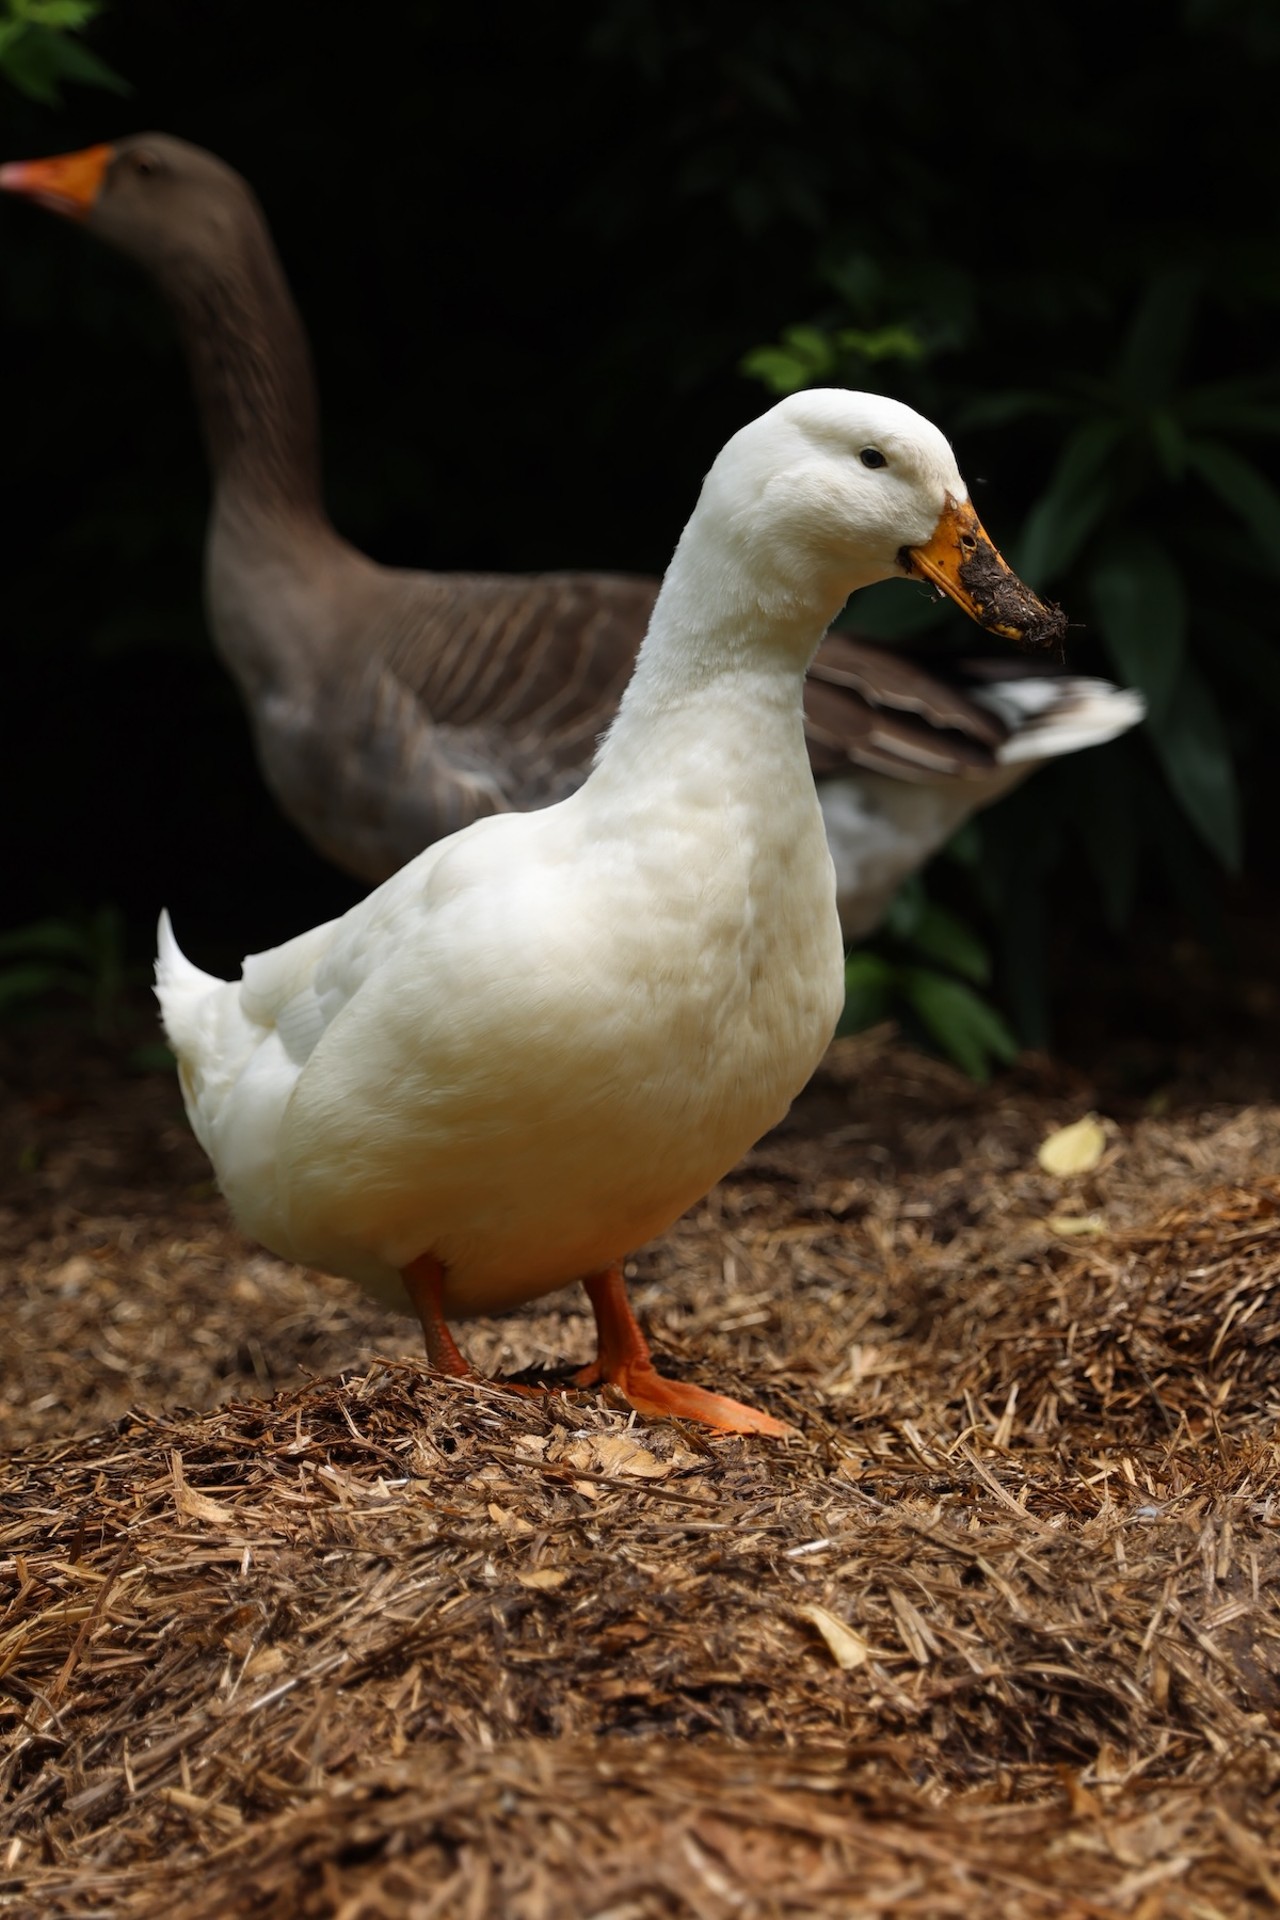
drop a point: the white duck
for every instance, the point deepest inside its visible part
(533, 1047)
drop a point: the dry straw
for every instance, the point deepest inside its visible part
(999, 1635)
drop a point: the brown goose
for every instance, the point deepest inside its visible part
(390, 708)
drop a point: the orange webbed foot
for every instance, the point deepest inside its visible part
(650, 1392)
(625, 1362)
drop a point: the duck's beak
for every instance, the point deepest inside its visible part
(65, 183)
(960, 558)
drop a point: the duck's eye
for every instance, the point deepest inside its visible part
(872, 457)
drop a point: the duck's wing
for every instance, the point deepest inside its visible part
(278, 992)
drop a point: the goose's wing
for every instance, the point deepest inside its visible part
(537, 661)
(887, 713)
(907, 753)
(466, 695)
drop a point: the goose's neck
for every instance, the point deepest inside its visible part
(251, 369)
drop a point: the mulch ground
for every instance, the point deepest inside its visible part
(292, 1627)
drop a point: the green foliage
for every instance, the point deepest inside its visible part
(1121, 526)
(924, 969)
(808, 357)
(1155, 520)
(1074, 231)
(38, 53)
(82, 957)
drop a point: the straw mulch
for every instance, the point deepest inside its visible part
(999, 1634)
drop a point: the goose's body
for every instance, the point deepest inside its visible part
(532, 1048)
(390, 708)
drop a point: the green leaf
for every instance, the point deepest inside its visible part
(805, 355)
(1242, 488)
(31, 981)
(964, 1025)
(882, 343)
(1076, 498)
(965, 844)
(868, 991)
(906, 909)
(1191, 742)
(941, 936)
(1000, 409)
(1169, 441)
(36, 52)
(152, 1057)
(1228, 415)
(1252, 660)
(898, 610)
(1233, 406)
(1141, 607)
(75, 61)
(69, 14)
(28, 65)
(1106, 811)
(775, 369)
(46, 937)
(859, 279)
(1156, 342)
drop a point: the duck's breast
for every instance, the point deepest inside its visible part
(587, 1030)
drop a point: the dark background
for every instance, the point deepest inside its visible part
(533, 247)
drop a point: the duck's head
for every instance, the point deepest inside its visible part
(831, 491)
(159, 199)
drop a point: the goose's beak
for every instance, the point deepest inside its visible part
(65, 183)
(960, 558)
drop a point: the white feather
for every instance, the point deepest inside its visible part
(537, 1044)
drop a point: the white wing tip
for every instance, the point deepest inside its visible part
(1083, 713)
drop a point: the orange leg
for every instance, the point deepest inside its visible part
(424, 1282)
(623, 1358)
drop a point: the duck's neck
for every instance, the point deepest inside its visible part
(720, 637)
(251, 369)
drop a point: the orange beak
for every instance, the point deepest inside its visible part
(960, 557)
(65, 183)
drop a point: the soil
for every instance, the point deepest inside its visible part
(293, 1627)
(1010, 607)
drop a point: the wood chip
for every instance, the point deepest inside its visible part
(1074, 1149)
(847, 1648)
(289, 1623)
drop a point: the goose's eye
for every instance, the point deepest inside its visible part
(143, 163)
(872, 457)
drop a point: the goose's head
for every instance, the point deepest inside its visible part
(164, 202)
(830, 491)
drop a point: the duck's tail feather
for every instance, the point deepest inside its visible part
(188, 1012)
(183, 992)
(1049, 717)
